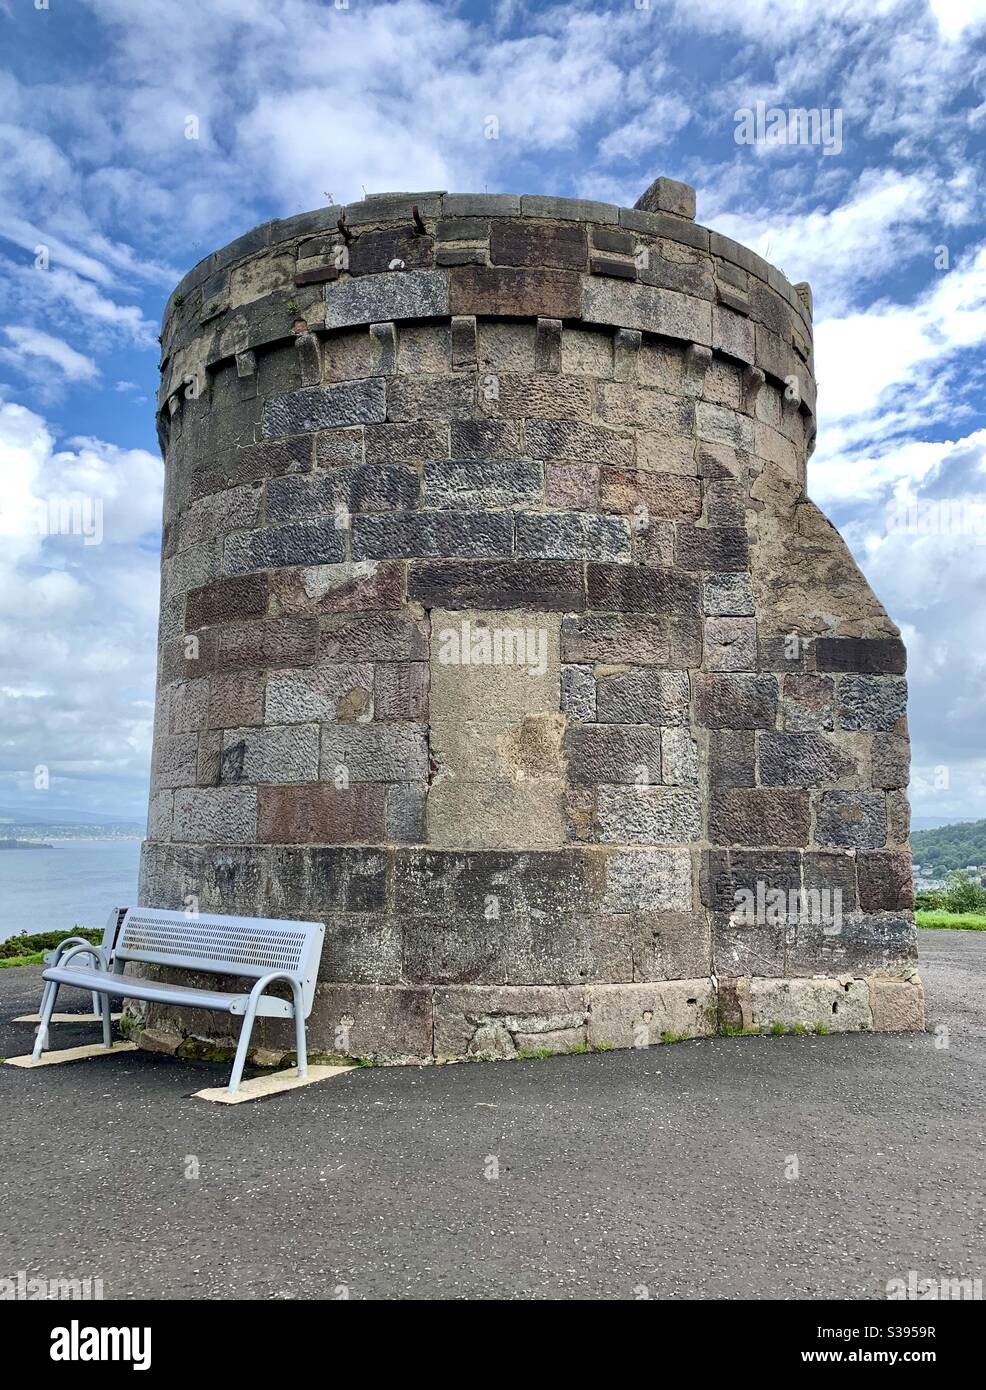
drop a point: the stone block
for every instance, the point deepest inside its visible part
(174, 762)
(406, 808)
(758, 816)
(405, 294)
(833, 872)
(568, 439)
(727, 876)
(373, 637)
(875, 703)
(269, 642)
(884, 879)
(651, 494)
(372, 252)
(271, 547)
(891, 761)
(225, 600)
(854, 819)
(400, 691)
(643, 307)
(730, 644)
(365, 487)
(547, 346)
(553, 585)
(189, 706)
(621, 588)
(649, 815)
(668, 195)
(432, 534)
(726, 701)
(325, 407)
(571, 487)
(544, 397)
(374, 753)
(568, 209)
(533, 244)
(616, 637)
(648, 880)
(505, 291)
(670, 945)
(613, 753)
(407, 442)
(728, 595)
(465, 228)
(731, 758)
(897, 1006)
(216, 816)
(711, 547)
(386, 1021)
(802, 760)
(663, 412)
(343, 693)
(642, 697)
(578, 693)
(871, 655)
(572, 535)
(466, 1016)
(236, 699)
(351, 587)
(837, 1006)
(317, 813)
(808, 703)
(679, 758)
(481, 484)
(412, 398)
(485, 439)
(639, 1015)
(339, 447)
(279, 754)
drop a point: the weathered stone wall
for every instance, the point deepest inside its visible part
(499, 633)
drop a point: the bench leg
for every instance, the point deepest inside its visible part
(47, 1009)
(300, 1041)
(239, 1061)
(107, 1022)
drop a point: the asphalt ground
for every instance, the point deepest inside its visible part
(769, 1168)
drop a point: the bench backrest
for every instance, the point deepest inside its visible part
(250, 946)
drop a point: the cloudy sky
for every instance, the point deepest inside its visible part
(104, 203)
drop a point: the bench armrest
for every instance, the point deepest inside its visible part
(269, 979)
(84, 948)
(55, 954)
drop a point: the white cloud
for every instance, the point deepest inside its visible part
(77, 621)
(30, 344)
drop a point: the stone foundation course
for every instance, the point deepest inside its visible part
(499, 633)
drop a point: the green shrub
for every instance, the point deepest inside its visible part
(16, 946)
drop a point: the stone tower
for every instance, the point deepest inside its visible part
(499, 633)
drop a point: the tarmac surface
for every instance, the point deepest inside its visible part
(661, 1173)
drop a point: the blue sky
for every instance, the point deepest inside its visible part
(304, 99)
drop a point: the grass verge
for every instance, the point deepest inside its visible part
(30, 950)
(957, 921)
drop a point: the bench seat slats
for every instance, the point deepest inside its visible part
(131, 988)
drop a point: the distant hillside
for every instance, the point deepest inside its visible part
(950, 846)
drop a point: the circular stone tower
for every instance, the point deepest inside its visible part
(498, 633)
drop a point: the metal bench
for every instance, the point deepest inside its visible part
(265, 950)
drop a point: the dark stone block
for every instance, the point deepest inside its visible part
(712, 547)
(552, 585)
(731, 758)
(801, 760)
(432, 534)
(501, 291)
(637, 588)
(372, 252)
(226, 600)
(613, 753)
(872, 702)
(759, 816)
(325, 407)
(526, 243)
(870, 655)
(831, 871)
(484, 439)
(363, 488)
(611, 265)
(736, 701)
(885, 883)
(855, 819)
(725, 873)
(318, 543)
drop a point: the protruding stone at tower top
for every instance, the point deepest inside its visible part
(668, 195)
